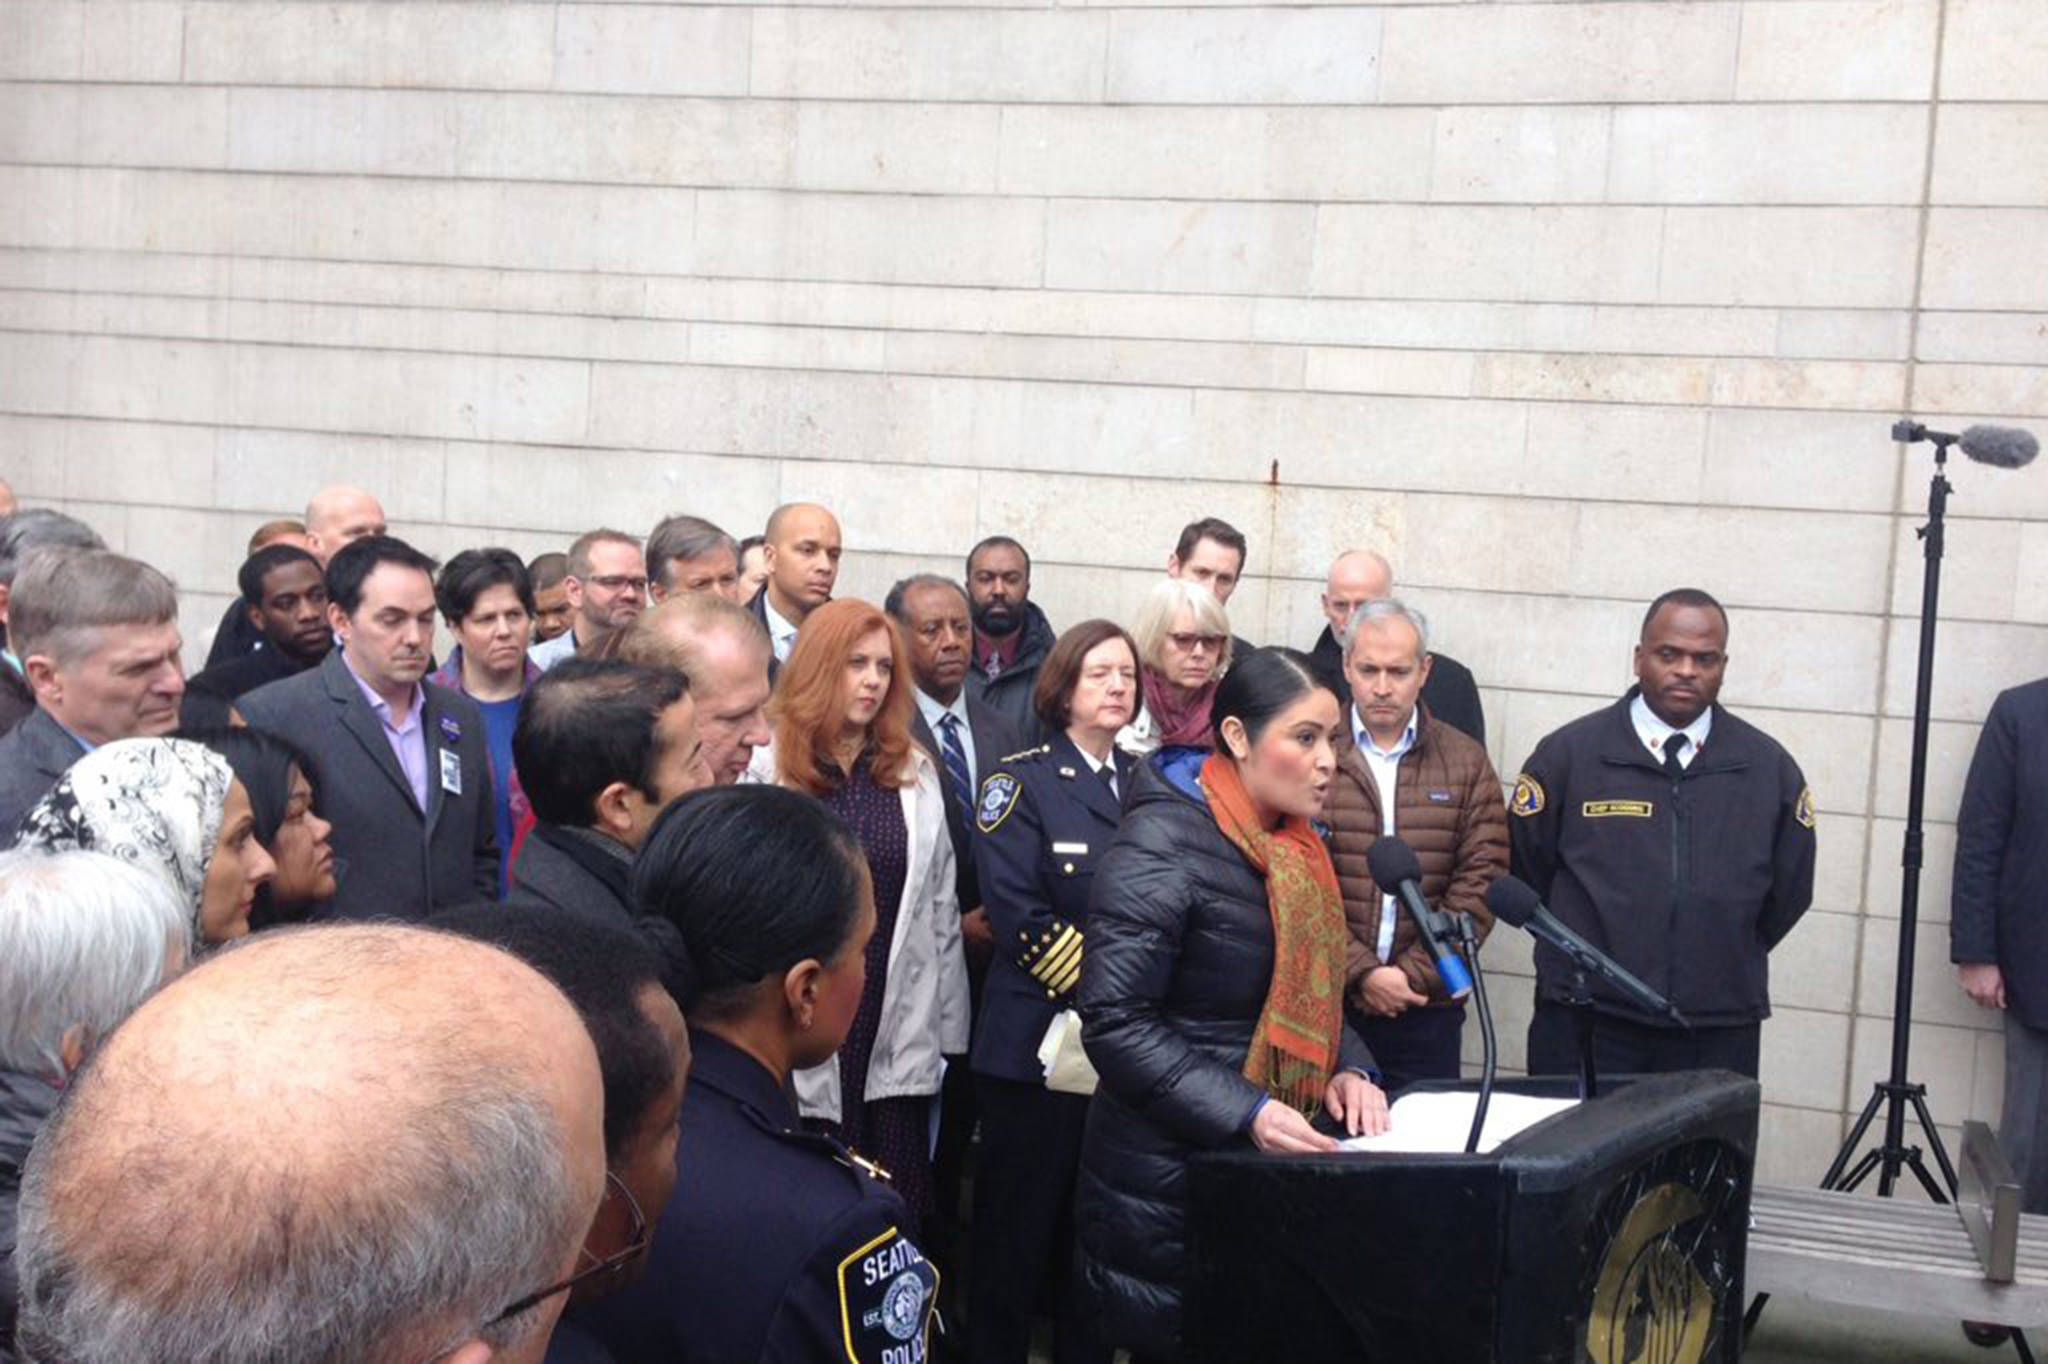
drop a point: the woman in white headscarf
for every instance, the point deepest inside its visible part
(170, 806)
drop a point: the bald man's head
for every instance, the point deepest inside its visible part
(1357, 577)
(339, 516)
(802, 554)
(333, 1143)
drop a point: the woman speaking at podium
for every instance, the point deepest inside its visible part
(1212, 989)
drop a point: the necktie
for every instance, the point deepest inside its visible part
(1108, 774)
(1673, 748)
(956, 762)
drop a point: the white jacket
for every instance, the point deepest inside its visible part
(925, 1006)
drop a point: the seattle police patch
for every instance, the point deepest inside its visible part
(998, 796)
(1803, 812)
(887, 1291)
(1528, 797)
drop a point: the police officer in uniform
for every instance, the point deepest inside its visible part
(779, 1244)
(1677, 838)
(1044, 818)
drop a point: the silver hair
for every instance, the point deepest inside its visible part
(1385, 609)
(684, 537)
(63, 598)
(1167, 599)
(461, 1211)
(84, 939)
(40, 528)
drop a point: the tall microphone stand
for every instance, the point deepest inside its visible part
(1897, 1091)
(1467, 938)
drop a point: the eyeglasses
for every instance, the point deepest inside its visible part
(1191, 643)
(636, 1246)
(619, 582)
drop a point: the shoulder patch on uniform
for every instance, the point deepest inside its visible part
(887, 1292)
(998, 798)
(1528, 797)
(1803, 811)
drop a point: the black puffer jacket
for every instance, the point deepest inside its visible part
(1179, 959)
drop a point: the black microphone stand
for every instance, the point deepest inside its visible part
(1580, 1002)
(1896, 1092)
(1467, 939)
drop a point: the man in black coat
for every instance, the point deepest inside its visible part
(289, 595)
(602, 747)
(1677, 838)
(1011, 635)
(1998, 919)
(801, 547)
(1357, 577)
(401, 764)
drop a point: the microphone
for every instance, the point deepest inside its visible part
(1397, 871)
(1514, 901)
(2001, 447)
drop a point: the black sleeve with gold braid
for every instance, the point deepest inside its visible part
(1054, 960)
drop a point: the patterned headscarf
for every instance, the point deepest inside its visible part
(156, 803)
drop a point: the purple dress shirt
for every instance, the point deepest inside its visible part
(408, 741)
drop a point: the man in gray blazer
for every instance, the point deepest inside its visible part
(603, 747)
(401, 764)
(97, 634)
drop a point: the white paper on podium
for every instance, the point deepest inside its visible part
(1440, 1121)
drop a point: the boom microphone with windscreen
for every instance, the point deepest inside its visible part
(2001, 447)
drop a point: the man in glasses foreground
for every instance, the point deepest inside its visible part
(335, 1143)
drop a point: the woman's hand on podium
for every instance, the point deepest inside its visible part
(1358, 1103)
(1280, 1131)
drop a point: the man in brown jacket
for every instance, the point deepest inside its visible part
(1402, 772)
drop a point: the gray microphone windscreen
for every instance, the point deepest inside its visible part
(2002, 447)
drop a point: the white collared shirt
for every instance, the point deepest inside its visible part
(1655, 733)
(933, 712)
(1095, 766)
(1385, 766)
(781, 634)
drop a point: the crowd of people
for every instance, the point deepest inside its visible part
(694, 964)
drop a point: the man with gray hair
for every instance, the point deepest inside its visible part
(1357, 576)
(689, 554)
(258, 1166)
(84, 939)
(98, 637)
(722, 652)
(1403, 773)
(21, 534)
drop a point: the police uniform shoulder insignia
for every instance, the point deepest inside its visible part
(998, 797)
(1528, 797)
(1803, 811)
(1028, 753)
(887, 1292)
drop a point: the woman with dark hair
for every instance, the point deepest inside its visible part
(841, 712)
(779, 1244)
(1212, 990)
(1044, 819)
(486, 597)
(282, 800)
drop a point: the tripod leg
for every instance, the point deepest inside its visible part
(1833, 1178)
(2019, 1344)
(1934, 1142)
(1934, 1191)
(1859, 1174)
(1756, 1313)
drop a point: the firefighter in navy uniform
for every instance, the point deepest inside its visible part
(1044, 818)
(1676, 838)
(779, 1245)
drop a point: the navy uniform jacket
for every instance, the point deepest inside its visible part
(994, 738)
(1041, 827)
(777, 1245)
(1688, 884)
(403, 862)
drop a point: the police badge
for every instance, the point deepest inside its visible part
(998, 795)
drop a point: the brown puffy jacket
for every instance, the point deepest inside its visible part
(1448, 807)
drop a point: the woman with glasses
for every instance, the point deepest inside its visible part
(1184, 648)
(779, 1245)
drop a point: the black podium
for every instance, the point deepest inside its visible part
(1611, 1233)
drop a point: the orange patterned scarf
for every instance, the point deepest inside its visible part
(1294, 1049)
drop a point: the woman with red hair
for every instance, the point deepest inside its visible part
(842, 713)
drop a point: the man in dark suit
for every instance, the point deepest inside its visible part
(401, 764)
(968, 739)
(802, 548)
(99, 643)
(603, 747)
(22, 532)
(1212, 552)
(1357, 577)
